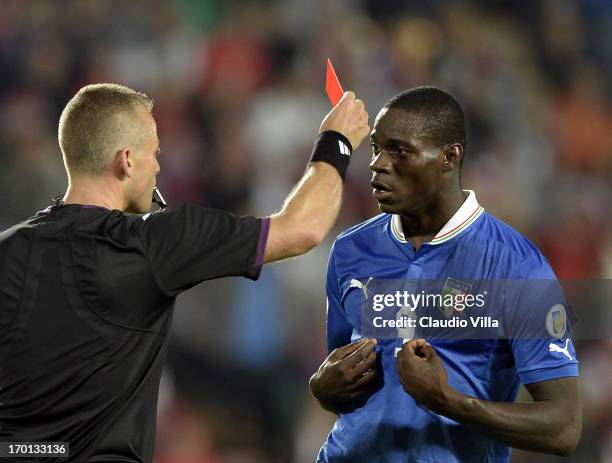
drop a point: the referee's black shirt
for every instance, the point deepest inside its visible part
(86, 299)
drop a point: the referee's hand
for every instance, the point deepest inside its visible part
(347, 377)
(348, 117)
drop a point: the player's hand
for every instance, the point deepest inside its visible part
(347, 377)
(422, 374)
(348, 117)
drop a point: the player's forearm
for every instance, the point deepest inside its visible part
(542, 426)
(308, 213)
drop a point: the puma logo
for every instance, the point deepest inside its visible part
(552, 347)
(358, 284)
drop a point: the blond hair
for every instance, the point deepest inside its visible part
(97, 122)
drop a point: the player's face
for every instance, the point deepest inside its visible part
(406, 169)
(145, 168)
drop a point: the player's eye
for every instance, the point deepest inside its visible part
(398, 152)
(375, 148)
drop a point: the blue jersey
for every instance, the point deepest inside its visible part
(473, 246)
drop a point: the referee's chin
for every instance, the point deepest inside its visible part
(139, 207)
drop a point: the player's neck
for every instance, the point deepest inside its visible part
(94, 191)
(424, 224)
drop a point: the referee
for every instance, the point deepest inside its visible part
(88, 291)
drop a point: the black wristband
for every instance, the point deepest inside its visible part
(333, 148)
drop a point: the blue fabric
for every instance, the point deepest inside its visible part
(391, 426)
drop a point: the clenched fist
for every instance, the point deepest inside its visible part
(347, 377)
(348, 117)
(422, 374)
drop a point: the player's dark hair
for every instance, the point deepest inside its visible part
(444, 120)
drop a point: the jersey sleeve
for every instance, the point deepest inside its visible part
(338, 328)
(538, 323)
(192, 244)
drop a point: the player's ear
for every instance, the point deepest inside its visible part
(124, 163)
(452, 156)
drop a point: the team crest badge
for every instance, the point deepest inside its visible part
(556, 321)
(453, 291)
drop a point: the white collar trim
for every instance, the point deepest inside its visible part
(465, 216)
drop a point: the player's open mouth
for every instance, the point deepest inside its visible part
(380, 190)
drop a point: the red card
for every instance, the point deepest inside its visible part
(332, 85)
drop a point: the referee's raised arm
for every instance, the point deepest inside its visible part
(89, 284)
(311, 209)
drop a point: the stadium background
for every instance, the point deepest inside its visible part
(238, 99)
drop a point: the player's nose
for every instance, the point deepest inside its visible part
(380, 163)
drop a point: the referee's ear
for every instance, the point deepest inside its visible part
(452, 156)
(123, 163)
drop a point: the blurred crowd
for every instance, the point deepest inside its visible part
(238, 91)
